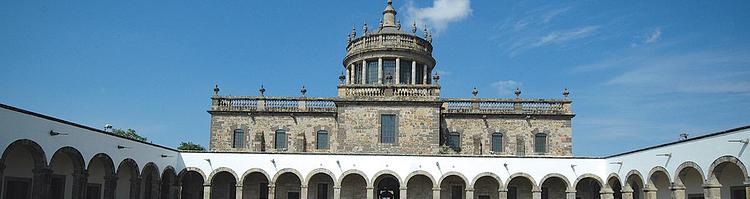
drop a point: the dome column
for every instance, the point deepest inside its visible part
(424, 74)
(413, 72)
(397, 78)
(364, 72)
(380, 70)
(348, 75)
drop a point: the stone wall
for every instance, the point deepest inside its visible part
(476, 133)
(417, 127)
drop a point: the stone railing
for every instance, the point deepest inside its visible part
(272, 104)
(386, 40)
(507, 106)
(395, 90)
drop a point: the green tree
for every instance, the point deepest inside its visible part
(190, 146)
(130, 133)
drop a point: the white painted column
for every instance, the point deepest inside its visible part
(380, 71)
(402, 192)
(627, 192)
(413, 72)
(536, 194)
(678, 191)
(364, 72)
(271, 191)
(424, 74)
(348, 75)
(336, 192)
(397, 78)
(650, 192)
(370, 193)
(712, 191)
(206, 191)
(503, 193)
(469, 193)
(303, 191)
(435, 190)
(238, 191)
(571, 194)
(606, 193)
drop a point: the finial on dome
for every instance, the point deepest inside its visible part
(398, 24)
(414, 27)
(364, 29)
(354, 31)
(389, 15)
(216, 89)
(381, 25)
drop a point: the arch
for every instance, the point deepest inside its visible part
(38, 155)
(420, 172)
(195, 169)
(615, 176)
(219, 170)
(522, 175)
(383, 172)
(168, 181)
(686, 165)
(592, 176)
(323, 171)
(152, 166)
(614, 183)
(457, 174)
(131, 164)
(288, 170)
(487, 174)
(253, 170)
(557, 175)
(654, 171)
(726, 159)
(353, 171)
(74, 155)
(634, 174)
(169, 170)
(104, 158)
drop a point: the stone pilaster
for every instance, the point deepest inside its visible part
(627, 192)
(502, 193)
(650, 192)
(238, 191)
(336, 192)
(303, 191)
(80, 181)
(135, 187)
(272, 190)
(606, 193)
(470, 193)
(436, 193)
(678, 191)
(536, 193)
(207, 191)
(402, 192)
(370, 193)
(711, 191)
(40, 184)
(570, 194)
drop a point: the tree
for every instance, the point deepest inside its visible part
(130, 133)
(190, 146)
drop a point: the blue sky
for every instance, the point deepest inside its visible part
(640, 72)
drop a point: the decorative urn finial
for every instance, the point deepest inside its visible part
(398, 24)
(303, 90)
(566, 93)
(262, 90)
(364, 29)
(342, 77)
(354, 32)
(216, 89)
(436, 78)
(518, 92)
(414, 27)
(474, 91)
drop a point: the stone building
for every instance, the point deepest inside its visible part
(389, 103)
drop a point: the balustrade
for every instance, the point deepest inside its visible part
(507, 106)
(272, 104)
(394, 40)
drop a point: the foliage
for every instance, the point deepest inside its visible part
(129, 133)
(190, 146)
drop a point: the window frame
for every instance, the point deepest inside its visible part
(389, 69)
(492, 142)
(544, 147)
(382, 137)
(284, 141)
(371, 73)
(405, 73)
(238, 143)
(456, 148)
(327, 139)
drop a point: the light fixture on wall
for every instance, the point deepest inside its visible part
(55, 133)
(165, 156)
(665, 154)
(122, 147)
(743, 141)
(617, 162)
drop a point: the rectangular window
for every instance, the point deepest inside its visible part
(357, 73)
(389, 69)
(420, 74)
(405, 73)
(280, 140)
(321, 139)
(372, 72)
(454, 141)
(387, 128)
(322, 191)
(497, 142)
(239, 139)
(540, 143)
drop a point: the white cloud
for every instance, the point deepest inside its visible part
(505, 87)
(563, 36)
(441, 13)
(654, 36)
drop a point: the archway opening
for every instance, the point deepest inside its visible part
(520, 187)
(67, 174)
(288, 186)
(692, 180)
(636, 183)
(21, 159)
(387, 187)
(730, 177)
(320, 186)
(554, 187)
(254, 186)
(150, 182)
(419, 186)
(127, 174)
(353, 186)
(101, 171)
(660, 181)
(192, 185)
(588, 188)
(168, 184)
(453, 187)
(614, 183)
(487, 187)
(223, 186)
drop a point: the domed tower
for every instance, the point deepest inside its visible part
(389, 63)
